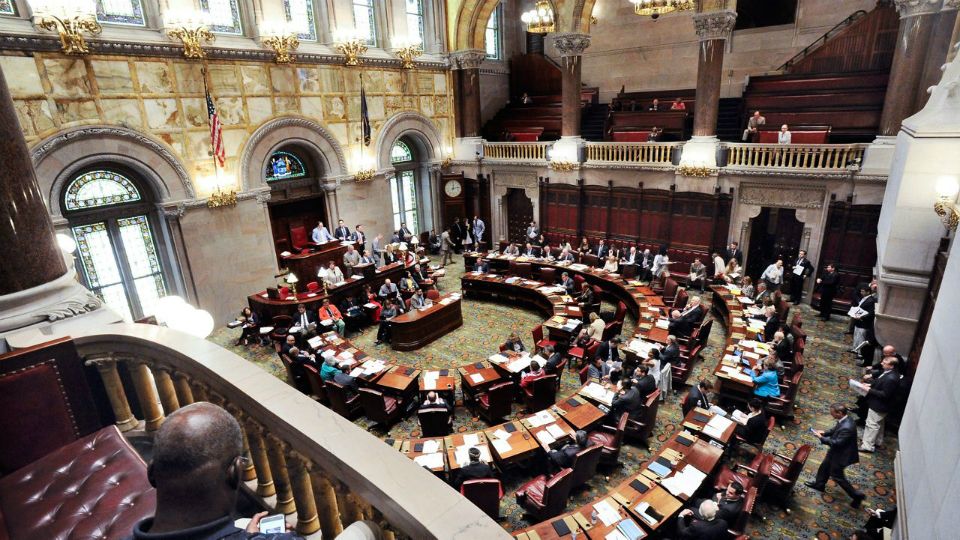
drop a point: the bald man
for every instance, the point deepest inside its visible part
(197, 470)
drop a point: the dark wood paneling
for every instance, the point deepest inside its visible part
(850, 242)
(867, 44)
(534, 74)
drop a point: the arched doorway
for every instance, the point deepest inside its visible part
(519, 214)
(112, 216)
(774, 233)
(297, 201)
(411, 189)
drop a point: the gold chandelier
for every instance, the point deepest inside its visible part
(539, 20)
(656, 8)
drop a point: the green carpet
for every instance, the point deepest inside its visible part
(828, 366)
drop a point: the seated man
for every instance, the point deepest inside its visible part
(554, 358)
(305, 321)
(586, 298)
(418, 300)
(482, 266)
(389, 312)
(536, 372)
(628, 400)
(330, 312)
(388, 290)
(566, 256)
(290, 343)
(598, 370)
(729, 502)
(568, 283)
(513, 250)
(563, 458)
(434, 401)
(513, 344)
(644, 381)
(702, 524)
(530, 251)
(609, 352)
(754, 430)
(197, 469)
(683, 323)
(331, 274)
(419, 276)
(473, 470)
(320, 234)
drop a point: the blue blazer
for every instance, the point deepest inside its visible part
(766, 384)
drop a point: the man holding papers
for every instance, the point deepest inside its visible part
(473, 470)
(798, 278)
(842, 440)
(879, 399)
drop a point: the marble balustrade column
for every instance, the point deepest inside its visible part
(281, 478)
(937, 49)
(571, 47)
(261, 463)
(326, 501)
(308, 521)
(107, 367)
(713, 29)
(917, 20)
(26, 232)
(166, 390)
(184, 393)
(147, 394)
(467, 63)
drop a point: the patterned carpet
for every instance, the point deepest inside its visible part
(828, 366)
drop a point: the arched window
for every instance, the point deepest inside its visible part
(120, 12)
(403, 186)
(300, 14)
(492, 35)
(415, 19)
(8, 7)
(110, 217)
(224, 16)
(284, 165)
(364, 20)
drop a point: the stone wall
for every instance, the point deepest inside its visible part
(494, 93)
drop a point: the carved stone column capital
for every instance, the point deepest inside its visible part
(714, 24)
(951, 4)
(467, 59)
(174, 212)
(571, 43)
(913, 8)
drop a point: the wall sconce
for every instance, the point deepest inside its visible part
(408, 49)
(351, 44)
(281, 38)
(946, 205)
(191, 29)
(366, 167)
(223, 195)
(447, 160)
(70, 19)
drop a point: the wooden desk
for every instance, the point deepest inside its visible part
(599, 531)
(732, 383)
(568, 435)
(306, 264)
(546, 531)
(419, 327)
(446, 383)
(522, 444)
(458, 440)
(578, 412)
(658, 498)
(372, 377)
(399, 380)
(488, 374)
(410, 449)
(692, 419)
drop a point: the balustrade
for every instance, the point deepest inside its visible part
(827, 157)
(627, 152)
(516, 151)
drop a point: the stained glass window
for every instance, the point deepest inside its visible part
(364, 22)
(100, 266)
(492, 35)
(120, 12)
(403, 194)
(100, 188)
(400, 153)
(224, 16)
(300, 14)
(8, 7)
(141, 253)
(415, 18)
(284, 165)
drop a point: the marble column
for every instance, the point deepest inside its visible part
(713, 29)
(25, 228)
(917, 21)
(467, 65)
(937, 49)
(571, 47)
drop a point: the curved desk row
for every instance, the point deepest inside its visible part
(419, 327)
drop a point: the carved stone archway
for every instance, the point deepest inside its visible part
(502, 181)
(282, 131)
(413, 125)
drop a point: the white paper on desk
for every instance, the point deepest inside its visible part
(501, 446)
(498, 358)
(520, 364)
(431, 446)
(575, 309)
(751, 355)
(663, 323)
(717, 410)
(315, 342)
(370, 305)
(685, 482)
(471, 440)
(716, 426)
(542, 418)
(446, 301)
(545, 438)
(642, 512)
(615, 535)
(476, 378)
(431, 461)
(745, 300)
(738, 416)
(500, 434)
(295, 329)
(556, 431)
(606, 513)
(356, 371)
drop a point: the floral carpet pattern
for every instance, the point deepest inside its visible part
(828, 367)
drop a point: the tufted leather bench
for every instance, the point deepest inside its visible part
(93, 488)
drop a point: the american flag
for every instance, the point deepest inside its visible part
(216, 132)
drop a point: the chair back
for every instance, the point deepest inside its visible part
(503, 347)
(611, 329)
(591, 350)
(613, 453)
(620, 313)
(670, 287)
(578, 280)
(649, 415)
(433, 294)
(548, 275)
(316, 383)
(629, 271)
(537, 334)
(313, 286)
(284, 292)
(501, 399)
(298, 237)
(796, 465)
(740, 524)
(704, 333)
(485, 494)
(283, 322)
(585, 465)
(434, 422)
(373, 407)
(763, 473)
(680, 301)
(339, 401)
(543, 393)
(584, 374)
(555, 493)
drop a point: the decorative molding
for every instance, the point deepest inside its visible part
(51, 144)
(800, 173)
(287, 122)
(662, 167)
(914, 8)
(40, 43)
(175, 211)
(951, 4)
(494, 70)
(714, 24)
(467, 59)
(571, 43)
(783, 197)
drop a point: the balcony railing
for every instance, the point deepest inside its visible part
(642, 153)
(516, 151)
(305, 459)
(824, 157)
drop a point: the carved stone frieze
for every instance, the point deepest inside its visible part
(571, 44)
(714, 24)
(780, 196)
(913, 8)
(174, 212)
(467, 59)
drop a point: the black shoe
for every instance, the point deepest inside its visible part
(814, 486)
(855, 503)
(865, 450)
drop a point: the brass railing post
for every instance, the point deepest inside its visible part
(107, 368)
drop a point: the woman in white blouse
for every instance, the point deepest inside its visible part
(611, 265)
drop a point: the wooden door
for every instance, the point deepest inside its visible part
(774, 234)
(519, 214)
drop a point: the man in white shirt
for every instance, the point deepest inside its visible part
(478, 229)
(532, 231)
(773, 275)
(320, 234)
(718, 265)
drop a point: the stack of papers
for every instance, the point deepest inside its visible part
(556, 431)
(430, 461)
(476, 378)
(500, 433)
(858, 387)
(430, 380)
(462, 454)
(545, 438)
(716, 426)
(501, 446)
(685, 482)
(520, 364)
(663, 323)
(431, 446)
(598, 393)
(542, 418)
(498, 358)
(315, 342)
(607, 514)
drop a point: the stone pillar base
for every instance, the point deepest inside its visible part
(467, 148)
(700, 152)
(878, 157)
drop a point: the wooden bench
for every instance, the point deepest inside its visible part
(798, 135)
(630, 136)
(525, 134)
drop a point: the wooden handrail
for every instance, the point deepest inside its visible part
(324, 467)
(631, 152)
(855, 16)
(833, 157)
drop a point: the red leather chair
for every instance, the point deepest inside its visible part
(284, 293)
(757, 446)
(347, 406)
(611, 329)
(496, 402)
(381, 409)
(299, 239)
(296, 378)
(785, 473)
(434, 422)
(584, 356)
(544, 498)
(538, 341)
(485, 493)
(433, 294)
(584, 375)
(548, 276)
(540, 394)
(643, 427)
(610, 439)
(313, 287)
(281, 325)
(503, 347)
(739, 526)
(620, 313)
(756, 475)
(585, 465)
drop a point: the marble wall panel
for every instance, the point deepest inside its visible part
(373, 82)
(259, 109)
(194, 111)
(68, 77)
(331, 79)
(282, 80)
(22, 76)
(76, 110)
(174, 140)
(424, 83)
(233, 140)
(441, 106)
(309, 80)
(198, 145)
(189, 78)
(440, 83)
(35, 116)
(255, 79)
(162, 114)
(335, 109)
(393, 82)
(375, 108)
(367, 203)
(154, 77)
(224, 80)
(392, 105)
(426, 105)
(312, 107)
(353, 107)
(123, 112)
(230, 110)
(286, 104)
(113, 76)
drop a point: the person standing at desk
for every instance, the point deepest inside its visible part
(320, 234)
(360, 238)
(628, 400)
(458, 233)
(305, 321)
(828, 290)
(797, 281)
(351, 258)
(377, 247)
(478, 229)
(331, 274)
(842, 440)
(446, 246)
(733, 252)
(405, 233)
(342, 232)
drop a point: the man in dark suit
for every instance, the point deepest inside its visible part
(842, 440)
(306, 320)
(568, 283)
(482, 266)
(601, 251)
(644, 383)
(627, 401)
(864, 338)
(671, 352)
(683, 323)
(772, 323)
(405, 233)
(553, 359)
(702, 524)
(609, 352)
(341, 232)
(729, 502)
(563, 458)
(457, 233)
(473, 470)
(797, 281)
(879, 398)
(754, 431)
(697, 397)
(733, 252)
(828, 289)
